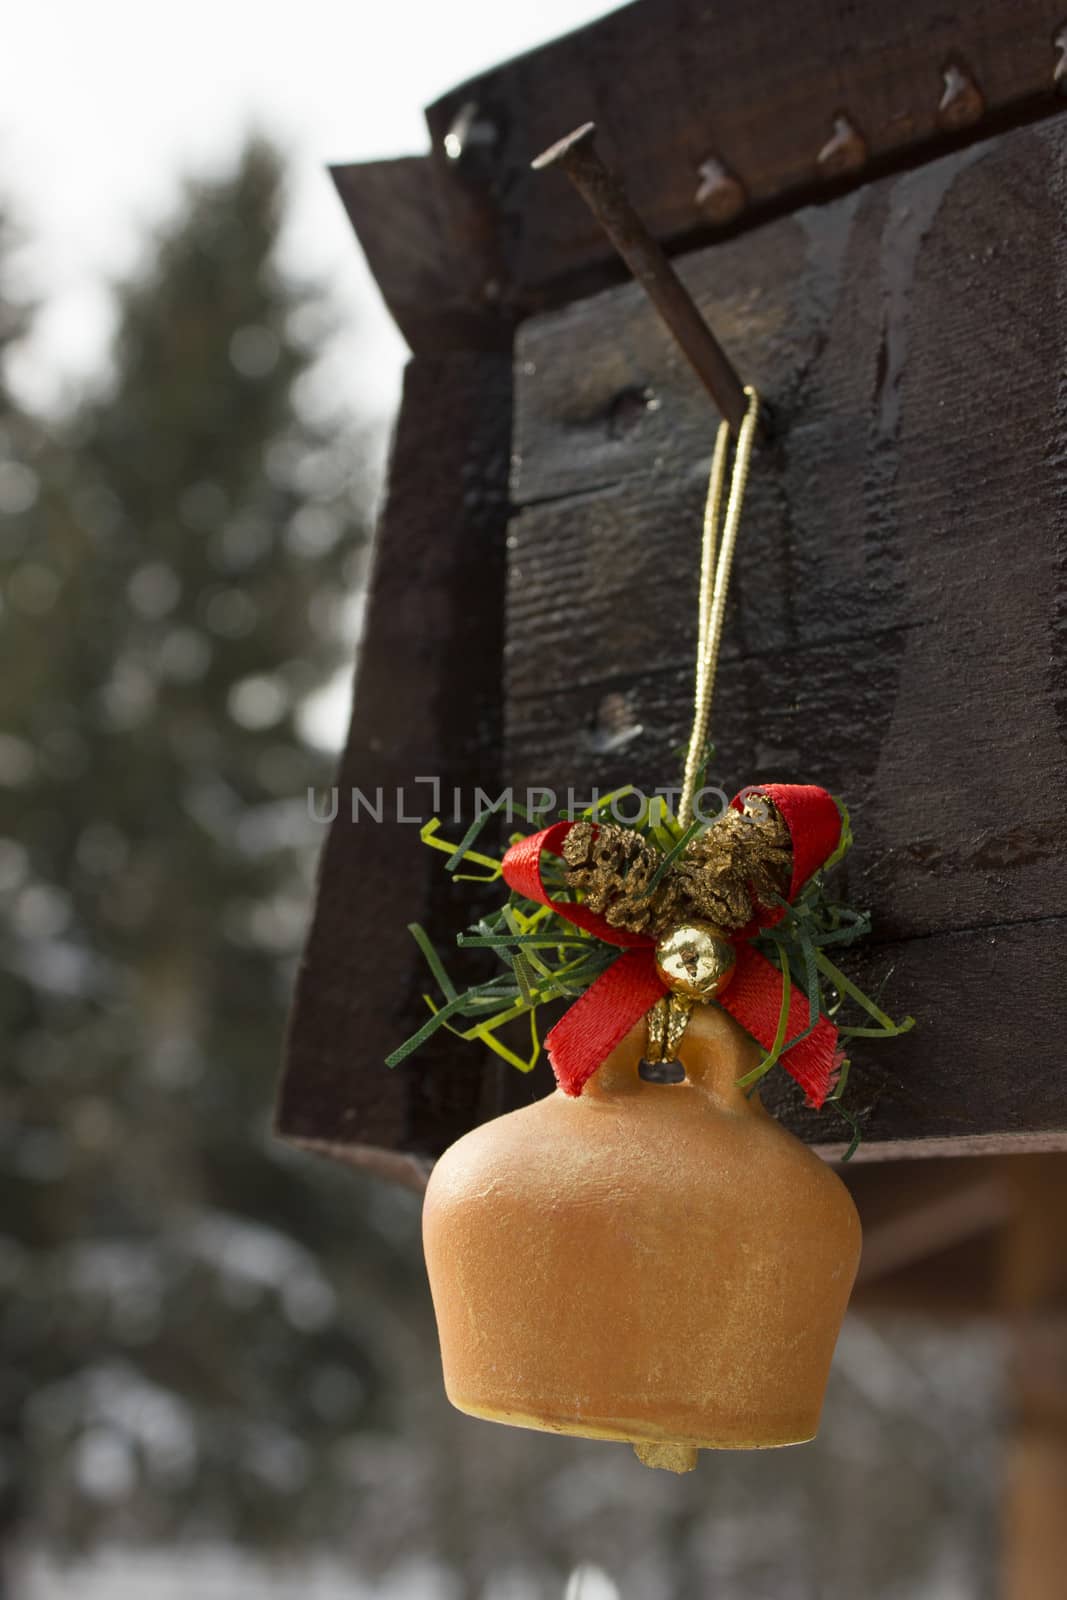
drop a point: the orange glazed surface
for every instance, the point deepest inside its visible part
(656, 1263)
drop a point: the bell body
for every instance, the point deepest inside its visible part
(657, 1263)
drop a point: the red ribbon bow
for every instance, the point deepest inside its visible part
(621, 996)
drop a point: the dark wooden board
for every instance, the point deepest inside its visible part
(983, 1070)
(945, 837)
(427, 256)
(462, 248)
(426, 704)
(671, 83)
(897, 620)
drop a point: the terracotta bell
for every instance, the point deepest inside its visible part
(658, 1263)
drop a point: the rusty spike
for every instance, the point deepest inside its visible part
(606, 197)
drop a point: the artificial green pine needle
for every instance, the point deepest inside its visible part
(546, 958)
(535, 941)
(842, 1079)
(428, 1028)
(878, 1033)
(844, 844)
(606, 801)
(673, 853)
(847, 935)
(428, 834)
(663, 825)
(811, 975)
(477, 827)
(857, 1135)
(844, 986)
(433, 960)
(525, 978)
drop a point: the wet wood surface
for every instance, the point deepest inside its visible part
(426, 704)
(426, 253)
(896, 628)
(760, 88)
(791, 103)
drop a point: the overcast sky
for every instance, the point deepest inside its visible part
(105, 103)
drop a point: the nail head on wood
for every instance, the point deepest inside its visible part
(721, 196)
(962, 102)
(845, 150)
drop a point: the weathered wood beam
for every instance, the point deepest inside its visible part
(426, 705)
(1033, 1292)
(975, 1237)
(736, 111)
(912, 1211)
(713, 112)
(427, 264)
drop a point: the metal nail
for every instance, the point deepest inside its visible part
(962, 102)
(607, 199)
(471, 136)
(845, 150)
(720, 195)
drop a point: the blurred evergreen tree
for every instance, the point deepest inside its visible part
(189, 1317)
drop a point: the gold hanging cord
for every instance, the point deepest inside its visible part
(714, 582)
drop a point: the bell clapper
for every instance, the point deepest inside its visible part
(671, 1457)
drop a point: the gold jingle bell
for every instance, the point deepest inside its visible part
(696, 961)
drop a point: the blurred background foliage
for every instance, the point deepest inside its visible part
(186, 1341)
(212, 1343)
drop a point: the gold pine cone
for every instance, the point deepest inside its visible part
(727, 873)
